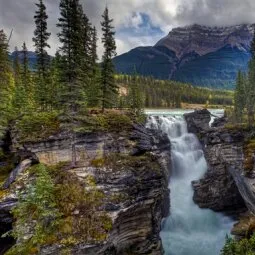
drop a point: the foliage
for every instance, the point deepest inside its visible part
(135, 98)
(245, 92)
(41, 36)
(36, 209)
(170, 94)
(249, 152)
(108, 86)
(240, 96)
(111, 121)
(34, 127)
(245, 246)
(58, 208)
(71, 37)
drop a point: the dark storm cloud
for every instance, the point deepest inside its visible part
(129, 17)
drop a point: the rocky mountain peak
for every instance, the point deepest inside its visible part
(203, 39)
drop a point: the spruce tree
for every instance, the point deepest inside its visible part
(135, 98)
(250, 86)
(16, 64)
(7, 85)
(19, 102)
(27, 81)
(25, 65)
(94, 56)
(239, 101)
(41, 36)
(93, 90)
(108, 87)
(71, 38)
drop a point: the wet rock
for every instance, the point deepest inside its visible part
(219, 189)
(198, 121)
(16, 172)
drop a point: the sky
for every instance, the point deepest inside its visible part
(136, 22)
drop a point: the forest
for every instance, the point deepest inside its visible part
(171, 94)
(75, 80)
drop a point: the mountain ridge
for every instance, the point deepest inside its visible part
(171, 56)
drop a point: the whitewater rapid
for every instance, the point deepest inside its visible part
(188, 230)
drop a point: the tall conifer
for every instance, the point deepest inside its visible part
(7, 86)
(70, 36)
(41, 36)
(108, 86)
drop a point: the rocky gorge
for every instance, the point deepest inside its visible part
(128, 170)
(125, 175)
(228, 185)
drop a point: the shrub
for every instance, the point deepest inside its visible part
(37, 126)
(57, 207)
(244, 246)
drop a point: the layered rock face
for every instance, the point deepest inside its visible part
(135, 184)
(204, 56)
(203, 40)
(220, 189)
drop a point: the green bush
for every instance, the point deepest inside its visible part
(243, 247)
(58, 208)
(37, 126)
(111, 121)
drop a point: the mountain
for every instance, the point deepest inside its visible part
(201, 55)
(32, 58)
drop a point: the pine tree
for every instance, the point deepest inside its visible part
(108, 86)
(16, 64)
(71, 37)
(7, 85)
(27, 81)
(25, 66)
(87, 45)
(93, 51)
(250, 86)
(19, 102)
(135, 98)
(93, 91)
(240, 96)
(41, 36)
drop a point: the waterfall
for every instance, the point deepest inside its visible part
(188, 230)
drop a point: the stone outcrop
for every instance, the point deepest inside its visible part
(198, 121)
(136, 191)
(219, 189)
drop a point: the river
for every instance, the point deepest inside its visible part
(188, 230)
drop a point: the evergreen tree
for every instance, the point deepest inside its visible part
(41, 36)
(250, 86)
(71, 37)
(135, 98)
(108, 86)
(16, 64)
(19, 102)
(54, 82)
(94, 56)
(93, 91)
(86, 50)
(240, 96)
(7, 85)
(25, 66)
(27, 81)
(250, 92)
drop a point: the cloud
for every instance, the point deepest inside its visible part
(137, 22)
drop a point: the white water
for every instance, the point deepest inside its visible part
(189, 230)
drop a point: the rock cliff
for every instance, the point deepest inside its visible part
(224, 188)
(131, 170)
